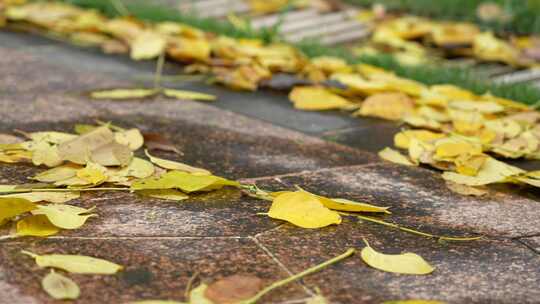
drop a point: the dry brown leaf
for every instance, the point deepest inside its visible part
(233, 289)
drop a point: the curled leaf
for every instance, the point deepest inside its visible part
(172, 165)
(394, 156)
(407, 263)
(124, 94)
(11, 207)
(64, 216)
(36, 225)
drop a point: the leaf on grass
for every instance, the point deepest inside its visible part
(131, 138)
(303, 210)
(407, 263)
(394, 156)
(36, 225)
(165, 194)
(51, 197)
(233, 289)
(60, 287)
(155, 141)
(317, 98)
(190, 95)
(184, 181)
(64, 216)
(11, 207)
(124, 94)
(78, 149)
(75, 263)
(172, 165)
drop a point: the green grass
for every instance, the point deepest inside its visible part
(525, 13)
(428, 74)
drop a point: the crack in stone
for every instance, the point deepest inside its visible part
(521, 242)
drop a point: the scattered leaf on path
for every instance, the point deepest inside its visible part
(60, 287)
(172, 165)
(124, 94)
(190, 95)
(233, 289)
(75, 263)
(36, 225)
(406, 263)
(394, 156)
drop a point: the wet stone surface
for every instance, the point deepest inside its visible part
(153, 268)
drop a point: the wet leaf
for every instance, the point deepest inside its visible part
(406, 263)
(124, 94)
(60, 287)
(184, 181)
(190, 95)
(303, 210)
(36, 225)
(11, 207)
(318, 98)
(165, 194)
(394, 156)
(233, 289)
(64, 216)
(172, 165)
(75, 263)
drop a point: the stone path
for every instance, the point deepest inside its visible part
(254, 137)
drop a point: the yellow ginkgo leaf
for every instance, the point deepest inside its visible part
(172, 165)
(45, 154)
(75, 263)
(302, 209)
(64, 216)
(492, 171)
(36, 225)
(394, 156)
(51, 197)
(147, 45)
(112, 154)
(11, 207)
(342, 204)
(138, 168)
(402, 139)
(158, 302)
(318, 98)
(184, 181)
(407, 263)
(131, 138)
(93, 173)
(57, 174)
(124, 94)
(52, 137)
(165, 194)
(190, 95)
(60, 287)
(196, 296)
(78, 149)
(413, 302)
(391, 106)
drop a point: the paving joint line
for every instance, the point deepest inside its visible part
(519, 241)
(280, 264)
(137, 238)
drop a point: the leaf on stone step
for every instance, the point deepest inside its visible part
(406, 263)
(391, 106)
(317, 299)
(157, 302)
(318, 98)
(36, 225)
(303, 210)
(466, 190)
(147, 45)
(394, 156)
(172, 165)
(64, 216)
(184, 181)
(51, 137)
(78, 150)
(15, 156)
(196, 296)
(75, 263)
(60, 287)
(341, 204)
(233, 289)
(11, 207)
(165, 194)
(131, 138)
(84, 128)
(112, 154)
(403, 138)
(190, 95)
(51, 197)
(57, 174)
(124, 94)
(155, 141)
(138, 168)
(45, 154)
(493, 171)
(7, 188)
(93, 173)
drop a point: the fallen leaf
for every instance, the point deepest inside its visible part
(78, 150)
(138, 168)
(492, 171)
(394, 156)
(391, 106)
(317, 299)
(112, 154)
(57, 174)
(36, 225)
(131, 138)
(147, 45)
(45, 154)
(303, 210)
(413, 302)
(233, 289)
(75, 263)
(60, 287)
(155, 141)
(184, 181)
(172, 165)
(318, 98)
(51, 197)
(64, 216)
(11, 207)
(93, 173)
(124, 94)
(190, 95)
(407, 263)
(196, 296)
(165, 194)
(466, 190)
(341, 204)
(157, 302)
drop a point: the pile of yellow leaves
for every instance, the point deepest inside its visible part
(410, 37)
(97, 158)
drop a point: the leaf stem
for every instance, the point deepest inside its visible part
(7, 237)
(159, 71)
(297, 276)
(445, 238)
